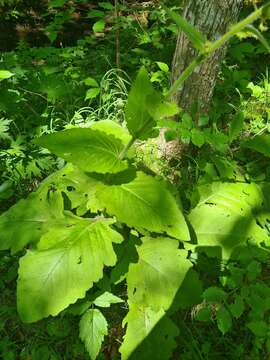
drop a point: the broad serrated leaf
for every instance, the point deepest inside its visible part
(145, 106)
(155, 279)
(189, 293)
(224, 219)
(91, 150)
(79, 187)
(106, 299)
(112, 128)
(27, 220)
(224, 320)
(145, 202)
(139, 121)
(196, 38)
(66, 264)
(149, 335)
(93, 328)
(260, 143)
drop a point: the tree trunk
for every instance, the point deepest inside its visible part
(211, 18)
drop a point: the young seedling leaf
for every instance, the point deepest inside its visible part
(93, 329)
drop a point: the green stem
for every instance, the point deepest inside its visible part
(185, 74)
(211, 47)
(235, 29)
(124, 152)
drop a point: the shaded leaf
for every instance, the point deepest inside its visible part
(148, 331)
(236, 125)
(214, 294)
(260, 143)
(225, 217)
(238, 307)
(259, 328)
(224, 320)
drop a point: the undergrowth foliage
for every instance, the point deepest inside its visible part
(102, 218)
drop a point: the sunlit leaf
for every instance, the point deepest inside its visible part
(69, 259)
(93, 329)
(145, 202)
(159, 273)
(91, 150)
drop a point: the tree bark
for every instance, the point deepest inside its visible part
(211, 18)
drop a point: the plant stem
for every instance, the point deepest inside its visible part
(211, 47)
(124, 152)
(185, 74)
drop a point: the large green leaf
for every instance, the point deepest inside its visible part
(225, 216)
(78, 186)
(65, 265)
(91, 150)
(27, 220)
(139, 121)
(150, 335)
(159, 273)
(145, 106)
(112, 128)
(145, 202)
(93, 328)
